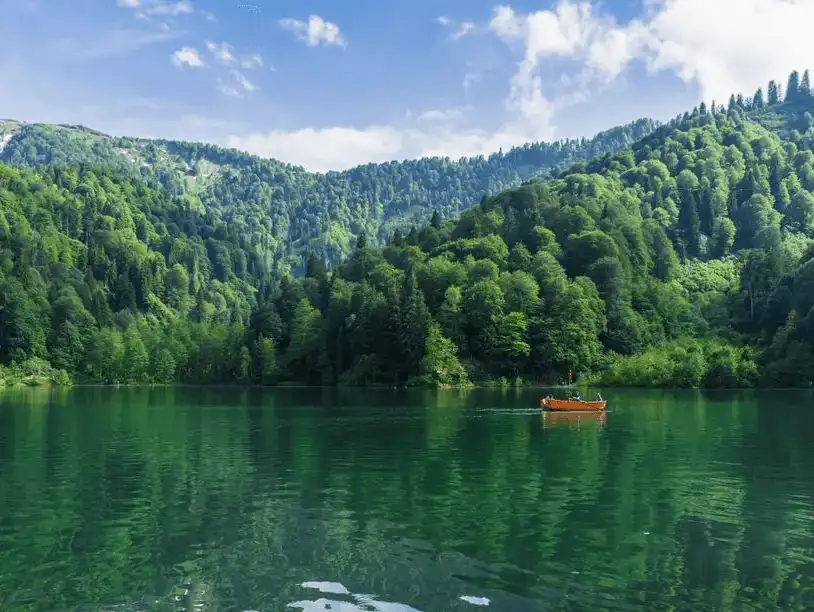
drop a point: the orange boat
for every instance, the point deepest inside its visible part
(572, 404)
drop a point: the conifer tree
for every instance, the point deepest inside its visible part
(773, 97)
(805, 85)
(793, 87)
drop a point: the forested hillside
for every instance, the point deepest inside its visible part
(295, 212)
(685, 259)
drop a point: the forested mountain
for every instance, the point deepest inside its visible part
(684, 259)
(295, 212)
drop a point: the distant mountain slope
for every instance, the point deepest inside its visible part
(304, 211)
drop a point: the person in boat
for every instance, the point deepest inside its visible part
(598, 397)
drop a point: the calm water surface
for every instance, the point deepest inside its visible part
(225, 499)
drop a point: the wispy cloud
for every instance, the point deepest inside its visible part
(115, 42)
(470, 78)
(232, 82)
(251, 61)
(447, 114)
(316, 31)
(224, 54)
(158, 7)
(236, 85)
(150, 10)
(182, 7)
(459, 28)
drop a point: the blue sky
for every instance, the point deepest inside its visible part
(330, 84)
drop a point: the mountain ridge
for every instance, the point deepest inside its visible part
(381, 197)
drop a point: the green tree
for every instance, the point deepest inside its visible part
(266, 360)
(440, 366)
(135, 361)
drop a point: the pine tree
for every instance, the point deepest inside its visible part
(773, 95)
(757, 99)
(689, 223)
(315, 267)
(805, 85)
(414, 324)
(793, 87)
(435, 221)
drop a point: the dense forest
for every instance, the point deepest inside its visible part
(292, 212)
(684, 259)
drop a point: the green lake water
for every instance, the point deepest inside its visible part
(302, 499)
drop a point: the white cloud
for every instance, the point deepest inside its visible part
(730, 46)
(128, 3)
(337, 148)
(697, 40)
(187, 56)
(315, 32)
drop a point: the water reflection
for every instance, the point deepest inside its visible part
(361, 603)
(353, 603)
(237, 499)
(574, 419)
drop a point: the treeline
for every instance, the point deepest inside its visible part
(692, 245)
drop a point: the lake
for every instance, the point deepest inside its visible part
(346, 500)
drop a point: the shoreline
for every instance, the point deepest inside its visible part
(473, 387)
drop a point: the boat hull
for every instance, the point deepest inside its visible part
(548, 403)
